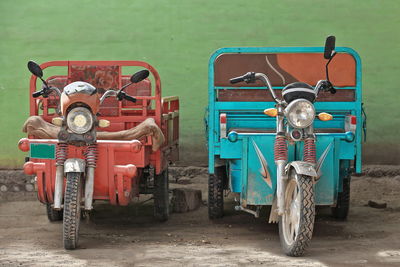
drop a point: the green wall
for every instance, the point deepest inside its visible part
(177, 37)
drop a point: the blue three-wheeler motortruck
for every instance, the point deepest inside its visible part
(284, 129)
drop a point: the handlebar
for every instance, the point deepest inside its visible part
(237, 79)
(326, 86)
(251, 77)
(37, 94)
(248, 78)
(46, 91)
(122, 95)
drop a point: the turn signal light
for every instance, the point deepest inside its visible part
(57, 121)
(325, 116)
(273, 112)
(104, 123)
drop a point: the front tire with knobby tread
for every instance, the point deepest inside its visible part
(72, 210)
(306, 219)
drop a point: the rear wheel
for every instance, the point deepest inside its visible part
(297, 223)
(161, 196)
(72, 210)
(215, 195)
(341, 210)
(52, 214)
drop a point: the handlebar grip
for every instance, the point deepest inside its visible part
(130, 98)
(237, 79)
(249, 77)
(37, 94)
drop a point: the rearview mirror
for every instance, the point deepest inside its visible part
(329, 47)
(139, 76)
(35, 69)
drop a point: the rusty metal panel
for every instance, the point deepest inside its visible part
(257, 95)
(285, 68)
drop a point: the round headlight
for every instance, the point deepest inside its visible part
(80, 120)
(300, 113)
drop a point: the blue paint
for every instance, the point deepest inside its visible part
(238, 151)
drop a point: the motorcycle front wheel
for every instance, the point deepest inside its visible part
(72, 210)
(297, 223)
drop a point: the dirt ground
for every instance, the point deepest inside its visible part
(128, 236)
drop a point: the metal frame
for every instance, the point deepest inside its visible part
(214, 106)
(117, 160)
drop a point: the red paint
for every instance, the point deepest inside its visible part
(222, 118)
(353, 120)
(23, 144)
(119, 163)
(280, 148)
(309, 153)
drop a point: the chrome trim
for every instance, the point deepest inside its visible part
(89, 184)
(74, 165)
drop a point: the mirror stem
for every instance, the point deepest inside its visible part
(326, 66)
(123, 87)
(44, 82)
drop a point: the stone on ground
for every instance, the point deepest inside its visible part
(185, 199)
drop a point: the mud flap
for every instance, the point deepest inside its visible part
(273, 215)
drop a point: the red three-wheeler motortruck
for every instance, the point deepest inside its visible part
(98, 134)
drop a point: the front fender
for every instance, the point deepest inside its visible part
(302, 167)
(74, 165)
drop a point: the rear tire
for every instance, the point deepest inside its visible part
(297, 223)
(72, 210)
(52, 214)
(341, 210)
(161, 196)
(215, 196)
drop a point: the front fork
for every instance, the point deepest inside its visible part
(281, 159)
(64, 165)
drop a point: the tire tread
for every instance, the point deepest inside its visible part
(52, 214)
(215, 197)
(307, 216)
(161, 196)
(71, 211)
